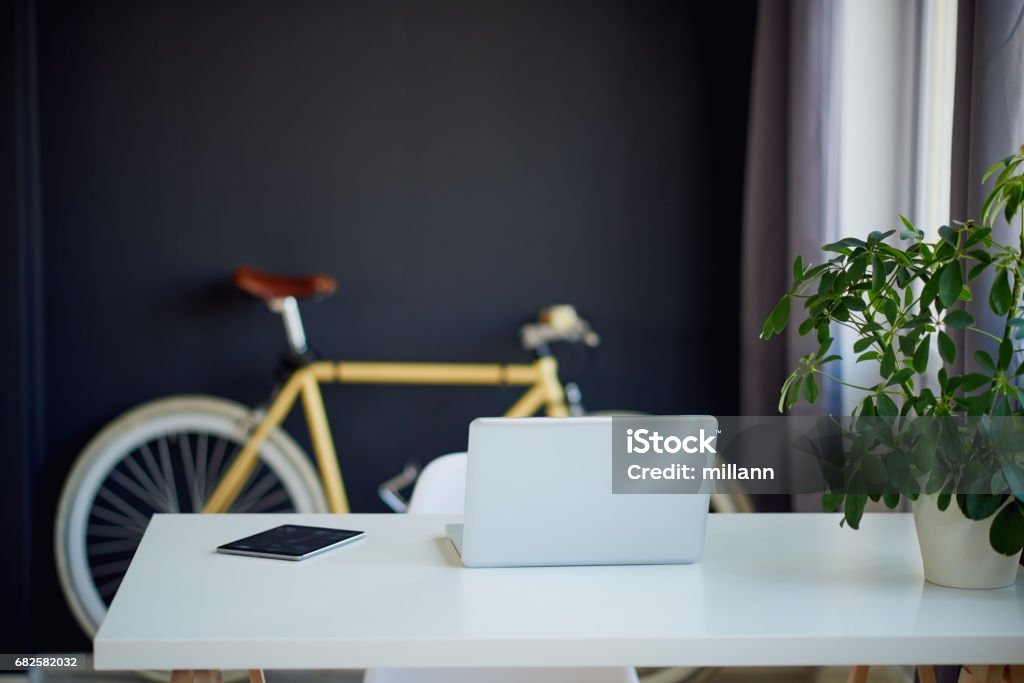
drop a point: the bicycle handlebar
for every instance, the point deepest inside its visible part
(556, 324)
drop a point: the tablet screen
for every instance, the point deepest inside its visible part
(290, 541)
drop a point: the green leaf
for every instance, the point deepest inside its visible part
(959, 319)
(979, 235)
(857, 268)
(906, 343)
(824, 339)
(978, 505)
(886, 407)
(1013, 193)
(784, 392)
(923, 454)
(794, 392)
(947, 349)
(831, 501)
(876, 237)
(870, 355)
(891, 310)
(965, 294)
(845, 245)
(810, 389)
(1005, 354)
(925, 398)
(948, 235)
(929, 291)
(862, 343)
(920, 361)
(900, 376)
(877, 274)
(943, 501)
(983, 359)
(779, 315)
(951, 281)
(798, 268)
(935, 481)
(999, 296)
(825, 284)
(976, 271)
(981, 255)
(995, 167)
(1014, 475)
(874, 469)
(855, 303)
(892, 500)
(1007, 532)
(909, 226)
(888, 364)
(943, 252)
(974, 380)
(867, 408)
(855, 503)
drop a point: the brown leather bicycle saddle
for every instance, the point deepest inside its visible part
(265, 285)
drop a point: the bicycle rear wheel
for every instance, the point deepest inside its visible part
(163, 456)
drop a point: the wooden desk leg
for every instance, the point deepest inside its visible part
(256, 676)
(858, 674)
(926, 673)
(208, 676)
(987, 673)
(995, 674)
(182, 676)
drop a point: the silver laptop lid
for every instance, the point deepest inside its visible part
(539, 492)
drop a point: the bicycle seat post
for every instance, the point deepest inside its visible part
(288, 308)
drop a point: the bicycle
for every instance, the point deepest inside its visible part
(209, 454)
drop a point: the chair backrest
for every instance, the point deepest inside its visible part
(441, 486)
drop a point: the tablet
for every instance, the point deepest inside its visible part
(291, 542)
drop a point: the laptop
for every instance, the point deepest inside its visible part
(539, 493)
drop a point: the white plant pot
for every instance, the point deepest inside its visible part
(956, 551)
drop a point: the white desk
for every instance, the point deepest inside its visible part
(771, 590)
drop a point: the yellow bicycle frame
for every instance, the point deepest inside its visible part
(545, 390)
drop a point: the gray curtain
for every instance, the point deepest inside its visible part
(988, 124)
(791, 193)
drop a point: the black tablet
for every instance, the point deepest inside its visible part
(291, 542)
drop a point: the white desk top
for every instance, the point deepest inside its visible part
(771, 590)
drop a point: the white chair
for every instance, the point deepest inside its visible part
(441, 489)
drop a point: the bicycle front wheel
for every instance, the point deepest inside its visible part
(163, 456)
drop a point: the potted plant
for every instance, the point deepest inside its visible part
(951, 442)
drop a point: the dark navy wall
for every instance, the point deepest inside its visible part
(456, 165)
